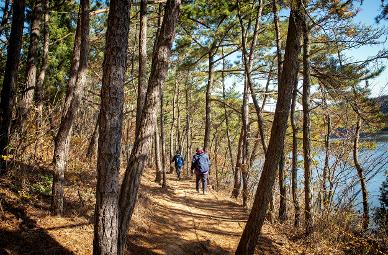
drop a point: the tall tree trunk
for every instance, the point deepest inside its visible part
(139, 155)
(172, 140)
(360, 173)
(326, 169)
(188, 129)
(263, 195)
(225, 111)
(45, 56)
(237, 172)
(206, 142)
(248, 65)
(106, 222)
(30, 86)
(306, 129)
(282, 189)
(10, 77)
(158, 161)
(244, 166)
(142, 80)
(162, 139)
(73, 96)
(294, 170)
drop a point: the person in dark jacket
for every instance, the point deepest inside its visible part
(179, 162)
(201, 165)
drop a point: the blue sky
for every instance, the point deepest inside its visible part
(368, 11)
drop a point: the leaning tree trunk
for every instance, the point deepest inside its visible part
(10, 77)
(263, 195)
(306, 129)
(360, 173)
(140, 151)
(326, 168)
(142, 81)
(109, 142)
(294, 166)
(73, 97)
(30, 86)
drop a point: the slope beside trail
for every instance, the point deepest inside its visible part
(183, 221)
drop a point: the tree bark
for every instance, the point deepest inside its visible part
(106, 222)
(45, 56)
(237, 172)
(158, 161)
(30, 86)
(142, 80)
(326, 169)
(306, 129)
(162, 141)
(256, 218)
(188, 130)
(282, 189)
(73, 97)
(294, 167)
(140, 151)
(172, 140)
(10, 77)
(206, 142)
(93, 139)
(360, 173)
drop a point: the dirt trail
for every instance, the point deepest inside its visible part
(186, 222)
(174, 222)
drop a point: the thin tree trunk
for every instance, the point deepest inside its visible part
(172, 140)
(225, 111)
(106, 222)
(360, 173)
(327, 155)
(263, 195)
(142, 84)
(237, 172)
(282, 189)
(306, 129)
(30, 86)
(244, 166)
(188, 130)
(45, 56)
(162, 141)
(73, 97)
(294, 171)
(139, 155)
(158, 161)
(93, 139)
(206, 142)
(10, 77)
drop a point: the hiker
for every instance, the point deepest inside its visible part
(201, 165)
(179, 162)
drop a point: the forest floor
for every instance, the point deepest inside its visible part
(175, 221)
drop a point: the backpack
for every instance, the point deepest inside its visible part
(202, 163)
(178, 161)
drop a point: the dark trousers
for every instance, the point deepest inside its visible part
(178, 171)
(199, 177)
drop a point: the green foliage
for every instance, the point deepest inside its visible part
(43, 187)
